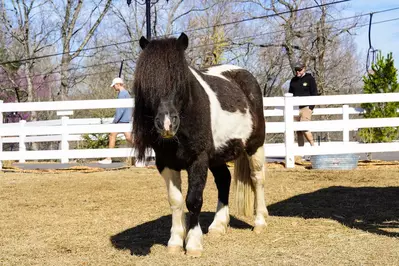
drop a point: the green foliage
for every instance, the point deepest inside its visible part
(220, 44)
(382, 79)
(214, 56)
(97, 141)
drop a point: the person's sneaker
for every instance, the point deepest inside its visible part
(105, 161)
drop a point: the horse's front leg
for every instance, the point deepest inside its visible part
(197, 173)
(176, 202)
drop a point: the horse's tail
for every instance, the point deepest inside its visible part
(245, 191)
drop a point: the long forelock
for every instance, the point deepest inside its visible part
(161, 70)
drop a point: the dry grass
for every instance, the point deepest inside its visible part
(317, 218)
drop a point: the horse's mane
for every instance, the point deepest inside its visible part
(161, 70)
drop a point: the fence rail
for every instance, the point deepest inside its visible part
(65, 129)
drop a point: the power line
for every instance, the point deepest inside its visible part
(69, 69)
(245, 37)
(309, 34)
(385, 10)
(332, 21)
(382, 21)
(193, 47)
(191, 30)
(269, 16)
(77, 76)
(57, 54)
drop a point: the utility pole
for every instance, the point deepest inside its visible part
(148, 18)
(147, 15)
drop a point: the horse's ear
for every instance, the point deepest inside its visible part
(143, 42)
(182, 41)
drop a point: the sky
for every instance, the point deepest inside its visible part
(384, 36)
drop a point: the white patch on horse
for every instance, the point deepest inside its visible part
(194, 239)
(167, 122)
(176, 201)
(218, 70)
(221, 220)
(225, 125)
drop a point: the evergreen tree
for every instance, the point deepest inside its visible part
(382, 79)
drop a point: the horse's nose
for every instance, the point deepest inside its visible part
(167, 124)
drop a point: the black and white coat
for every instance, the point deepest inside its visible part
(197, 120)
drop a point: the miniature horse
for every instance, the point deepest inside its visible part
(199, 120)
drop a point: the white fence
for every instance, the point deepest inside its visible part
(66, 130)
(345, 124)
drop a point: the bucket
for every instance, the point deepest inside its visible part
(335, 161)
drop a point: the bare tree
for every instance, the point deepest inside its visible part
(77, 29)
(25, 22)
(31, 34)
(168, 18)
(310, 35)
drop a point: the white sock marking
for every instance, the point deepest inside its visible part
(222, 218)
(194, 239)
(176, 202)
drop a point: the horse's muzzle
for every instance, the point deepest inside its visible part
(167, 134)
(167, 126)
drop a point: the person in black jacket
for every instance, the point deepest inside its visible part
(303, 84)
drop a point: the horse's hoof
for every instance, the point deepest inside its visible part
(213, 232)
(194, 253)
(175, 249)
(259, 228)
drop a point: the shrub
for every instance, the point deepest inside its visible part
(97, 141)
(382, 79)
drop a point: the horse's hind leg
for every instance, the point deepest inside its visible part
(257, 166)
(222, 217)
(176, 202)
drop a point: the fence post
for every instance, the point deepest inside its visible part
(1, 138)
(289, 130)
(64, 139)
(22, 136)
(345, 118)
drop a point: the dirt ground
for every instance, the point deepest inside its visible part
(122, 217)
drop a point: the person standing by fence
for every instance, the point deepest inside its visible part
(122, 115)
(303, 84)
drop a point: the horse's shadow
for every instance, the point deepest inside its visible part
(372, 209)
(141, 238)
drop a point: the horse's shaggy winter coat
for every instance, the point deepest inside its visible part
(198, 120)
